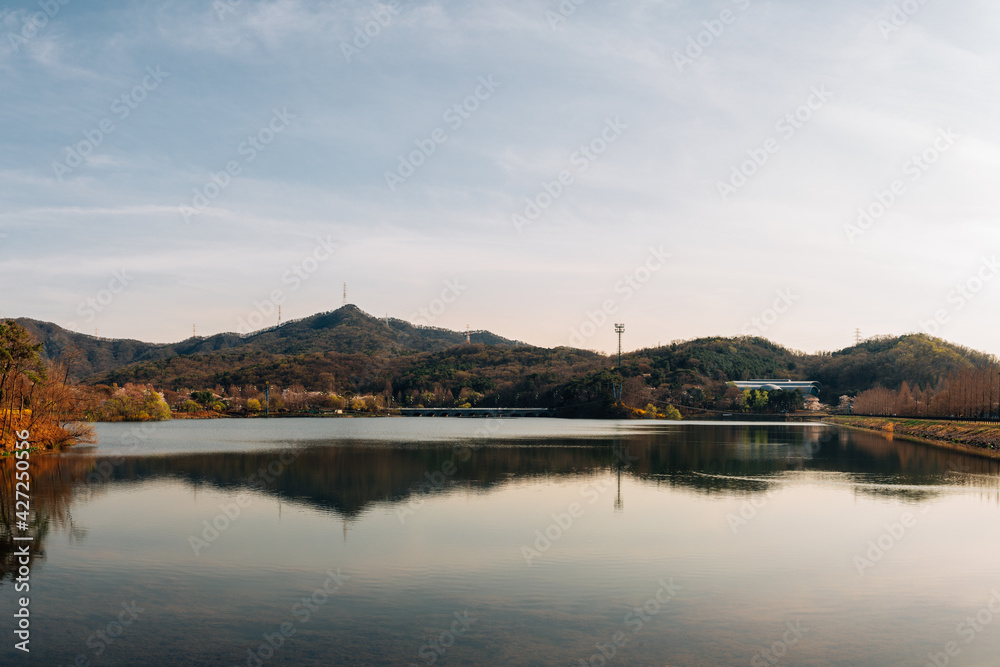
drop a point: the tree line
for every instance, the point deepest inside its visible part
(35, 395)
(970, 393)
(693, 376)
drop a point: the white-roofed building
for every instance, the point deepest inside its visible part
(808, 387)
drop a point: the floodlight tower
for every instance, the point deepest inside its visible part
(619, 329)
(616, 386)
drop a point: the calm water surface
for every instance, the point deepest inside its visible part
(503, 542)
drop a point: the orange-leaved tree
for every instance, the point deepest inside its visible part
(35, 396)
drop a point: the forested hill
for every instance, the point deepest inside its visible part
(347, 330)
(350, 351)
(692, 373)
(885, 361)
(888, 361)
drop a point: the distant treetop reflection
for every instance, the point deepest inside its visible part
(351, 477)
(54, 480)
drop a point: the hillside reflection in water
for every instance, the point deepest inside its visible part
(758, 525)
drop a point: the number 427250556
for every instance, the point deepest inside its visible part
(22, 507)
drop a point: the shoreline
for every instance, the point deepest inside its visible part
(974, 438)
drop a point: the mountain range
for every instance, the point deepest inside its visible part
(347, 330)
(350, 351)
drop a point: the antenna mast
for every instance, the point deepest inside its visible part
(345, 294)
(619, 329)
(616, 386)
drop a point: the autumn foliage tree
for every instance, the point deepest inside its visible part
(969, 393)
(131, 403)
(35, 396)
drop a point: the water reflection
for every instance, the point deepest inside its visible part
(350, 477)
(53, 483)
(663, 511)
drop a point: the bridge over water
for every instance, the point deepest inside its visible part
(476, 412)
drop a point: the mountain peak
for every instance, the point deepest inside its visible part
(347, 330)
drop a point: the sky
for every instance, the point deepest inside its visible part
(797, 169)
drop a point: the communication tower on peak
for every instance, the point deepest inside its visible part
(619, 329)
(345, 294)
(468, 334)
(616, 387)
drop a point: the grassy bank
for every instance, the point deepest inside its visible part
(971, 437)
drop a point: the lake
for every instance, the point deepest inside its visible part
(415, 541)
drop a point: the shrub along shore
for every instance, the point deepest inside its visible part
(980, 438)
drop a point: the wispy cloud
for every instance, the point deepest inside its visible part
(560, 81)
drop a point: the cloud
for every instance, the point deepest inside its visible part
(356, 117)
